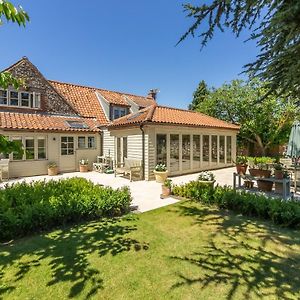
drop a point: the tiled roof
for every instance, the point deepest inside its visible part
(172, 116)
(85, 100)
(19, 121)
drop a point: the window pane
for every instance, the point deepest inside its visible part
(116, 113)
(14, 98)
(118, 150)
(174, 152)
(29, 148)
(25, 99)
(196, 151)
(222, 149)
(214, 148)
(186, 151)
(81, 142)
(91, 142)
(41, 148)
(37, 100)
(205, 149)
(67, 145)
(228, 149)
(3, 97)
(161, 149)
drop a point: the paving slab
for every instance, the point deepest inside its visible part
(145, 194)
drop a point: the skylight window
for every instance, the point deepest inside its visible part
(77, 124)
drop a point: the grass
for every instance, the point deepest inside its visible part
(183, 251)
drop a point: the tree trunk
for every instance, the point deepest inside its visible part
(261, 147)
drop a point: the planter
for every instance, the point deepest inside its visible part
(160, 177)
(260, 173)
(278, 187)
(265, 186)
(241, 168)
(166, 191)
(83, 168)
(278, 174)
(52, 171)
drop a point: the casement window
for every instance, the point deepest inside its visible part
(67, 145)
(41, 144)
(29, 148)
(20, 99)
(228, 149)
(81, 142)
(13, 98)
(119, 112)
(222, 149)
(3, 97)
(186, 151)
(214, 148)
(91, 142)
(86, 142)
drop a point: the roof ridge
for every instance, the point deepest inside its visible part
(96, 88)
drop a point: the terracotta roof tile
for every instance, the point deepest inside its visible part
(17, 121)
(86, 102)
(167, 115)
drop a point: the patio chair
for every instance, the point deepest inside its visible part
(4, 167)
(129, 167)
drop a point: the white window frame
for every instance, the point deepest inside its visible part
(94, 143)
(67, 148)
(2, 97)
(84, 147)
(34, 99)
(121, 111)
(37, 147)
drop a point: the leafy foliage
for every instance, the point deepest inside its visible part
(7, 146)
(18, 15)
(285, 213)
(31, 207)
(264, 124)
(275, 26)
(199, 95)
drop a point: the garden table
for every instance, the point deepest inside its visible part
(286, 183)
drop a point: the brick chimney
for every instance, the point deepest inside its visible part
(153, 93)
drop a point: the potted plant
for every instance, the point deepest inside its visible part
(278, 171)
(161, 173)
(52, 169)
(241, 164)
(207, 178)
(83, 165)
(166, 188)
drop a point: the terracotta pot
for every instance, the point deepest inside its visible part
(160, 177)
(166, 191)
(241, 169)
(83, 168)
(278, 174)
(52, 171)
(260, 173)
(265, 186)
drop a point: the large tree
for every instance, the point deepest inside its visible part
(264, 124)
(199, 95)
(10, 13)
(275, 26)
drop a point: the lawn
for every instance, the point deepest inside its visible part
(183, 251)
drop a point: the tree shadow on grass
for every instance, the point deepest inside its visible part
(255, 258)
(67, 252)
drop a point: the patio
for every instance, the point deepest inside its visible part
(145, 194)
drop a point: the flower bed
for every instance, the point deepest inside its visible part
(282, 212)
(36, 206)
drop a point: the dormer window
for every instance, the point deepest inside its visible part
(119, 112)
(20, 99)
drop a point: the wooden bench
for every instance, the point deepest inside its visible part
(129, 167)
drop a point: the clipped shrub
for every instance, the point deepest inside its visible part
(41, 205)
(282, 212)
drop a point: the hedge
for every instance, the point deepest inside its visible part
(282, 212)
(31, 207)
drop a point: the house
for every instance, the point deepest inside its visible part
(64, 123)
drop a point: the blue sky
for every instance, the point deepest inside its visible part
(126, 46)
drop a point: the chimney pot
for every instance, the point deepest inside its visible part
(153, 93)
